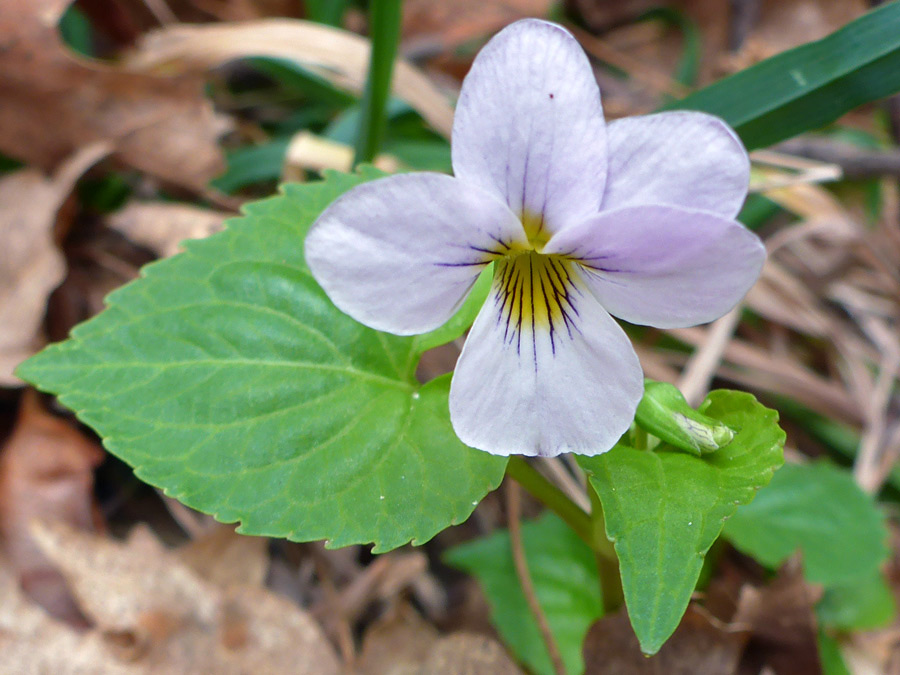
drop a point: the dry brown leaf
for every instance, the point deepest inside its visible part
(162, 226)
(469, 654)
(32, 642)
(698, 647)
(783, 622)
(52, 103)
(337, 55)
(397, 643)
(450, 24)
(46, 472)
(227, 558)
(161, 616)
(31, 265)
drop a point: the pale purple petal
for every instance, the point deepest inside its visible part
(568, 382)
(664, 266)
(686, 159)
(399, 254)
(529, 126)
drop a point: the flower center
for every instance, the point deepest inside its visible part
(533, 224)
(535, 293)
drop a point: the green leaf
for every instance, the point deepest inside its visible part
(818, 509)
(861, 604)
(226, 377)
(808, 87)
(564, 574)
(665, 508)
(253, 164)
(830, 654)
(384, 24)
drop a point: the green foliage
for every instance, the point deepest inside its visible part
(818, 509)
(253, 164)
(565, 580)
(384, 23)
(226, 377)
(861, 604)
(808, 87)
(665, 508)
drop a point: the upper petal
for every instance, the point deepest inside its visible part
(400, 253)
(529, 125)
(664, 266)
(545, 369)
(687, 159)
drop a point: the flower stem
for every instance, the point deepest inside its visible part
(384, 28)
(551, 497)
(607, 561)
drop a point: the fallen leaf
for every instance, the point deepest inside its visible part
(33, 642)
(783, 622)
(31, 264)
(451, 24)
(397, 643)
(698, 647)
(162, 226)
(46, 473)
(52, 103)
(469, 654)
(337, 55)
(226, 558)
(161, 616)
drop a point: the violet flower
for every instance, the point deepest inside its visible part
(581, 220)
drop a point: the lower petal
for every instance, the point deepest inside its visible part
(545, 369)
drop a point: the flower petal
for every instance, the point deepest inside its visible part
(529, 125)
(686, 159)
(664, 266)
(400, 254)
(545, 369)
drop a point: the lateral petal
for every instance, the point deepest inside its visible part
(664, 266)
(400, 254)
(529, 126)
(545, 369)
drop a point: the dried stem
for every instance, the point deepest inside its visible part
(514, 512)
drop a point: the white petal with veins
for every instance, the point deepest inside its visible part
(529, 125)
(533, 380)
(401, 253)
(682, 158)
(664, 266)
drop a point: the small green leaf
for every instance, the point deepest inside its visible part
(665, 508)
(861, 604)
(818, 509)
(808, 87)
(226, 377)
(564, 574)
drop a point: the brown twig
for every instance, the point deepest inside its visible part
(854, 162)
(514, 512)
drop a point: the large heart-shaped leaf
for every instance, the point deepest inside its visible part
(226, 377)
(664, 508)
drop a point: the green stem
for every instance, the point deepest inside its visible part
(607, 561)
(384, 28)
(551, 497)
